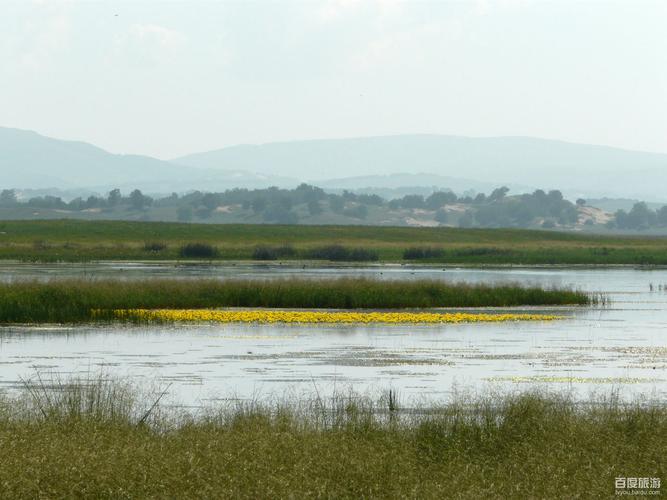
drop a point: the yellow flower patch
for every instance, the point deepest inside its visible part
(267, 316)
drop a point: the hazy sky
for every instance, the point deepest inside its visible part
(170, 78)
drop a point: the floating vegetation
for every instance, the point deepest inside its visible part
(265, 316)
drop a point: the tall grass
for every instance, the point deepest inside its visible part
(524, 446)
(72, 240)
(339, 253)
(72, 300)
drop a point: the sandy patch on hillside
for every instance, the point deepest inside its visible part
(411, 221)
(598, 216)
(456, 207)
(225, 208)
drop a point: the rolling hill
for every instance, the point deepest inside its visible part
(31, 160)
(580, 169)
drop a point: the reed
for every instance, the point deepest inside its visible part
(531, 445)
(74, 300)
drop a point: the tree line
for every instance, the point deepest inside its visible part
(288, 206)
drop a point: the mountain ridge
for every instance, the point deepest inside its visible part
(593, 169)
(31, 160)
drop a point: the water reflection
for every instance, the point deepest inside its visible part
(622, 346)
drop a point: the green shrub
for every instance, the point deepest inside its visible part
(339, 253)
(416, 253)
(198, 251)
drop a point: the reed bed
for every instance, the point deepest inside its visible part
(74, 300)
(57, 444)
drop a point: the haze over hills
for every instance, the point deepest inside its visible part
(30, 160)
(576, 168)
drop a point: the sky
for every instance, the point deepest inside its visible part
(171, 78)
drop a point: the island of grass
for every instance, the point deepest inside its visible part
(72, 300)
(78, 241)
(101, 440)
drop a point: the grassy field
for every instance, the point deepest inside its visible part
(100, 441)
(70, 240)
(74, 300)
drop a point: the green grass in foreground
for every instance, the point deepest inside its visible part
(71, 240)
(73, 300)
(99, 441)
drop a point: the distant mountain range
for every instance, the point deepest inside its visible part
(579, 169)
(30, 160)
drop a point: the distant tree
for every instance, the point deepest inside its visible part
(580, 202)
(210, 201)
(94, 202)
(138, 201)
(394, 204)
(479, 199)
(114, 198)
(349, 196)
(184, 213)
(336, 203)
(661, 216)
(54, 202)
(467, 219)
(441, 216)
(640, 217)
(306, 193)
(76, 204)
(258, 204)
(370, 199)
(498, 193)
(8, 197)
(439, 198)
(359, 211)
(412, 201)
(314, 207)
(280, 215)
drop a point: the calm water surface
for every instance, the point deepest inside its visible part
(621, 347)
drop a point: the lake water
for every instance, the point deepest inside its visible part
(621, 347)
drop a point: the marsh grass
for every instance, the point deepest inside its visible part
(340, 253)
(264, 252)
(532, 445)
(61, 301)
(72, 240)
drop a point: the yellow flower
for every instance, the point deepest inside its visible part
(267, 316)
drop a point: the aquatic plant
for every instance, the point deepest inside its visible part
(337, 317)
(73, 300)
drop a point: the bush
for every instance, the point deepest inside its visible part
(476, 252)
(263, 252)
(154, 246)
(415, 253)
(198, 250)
(339, 253)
